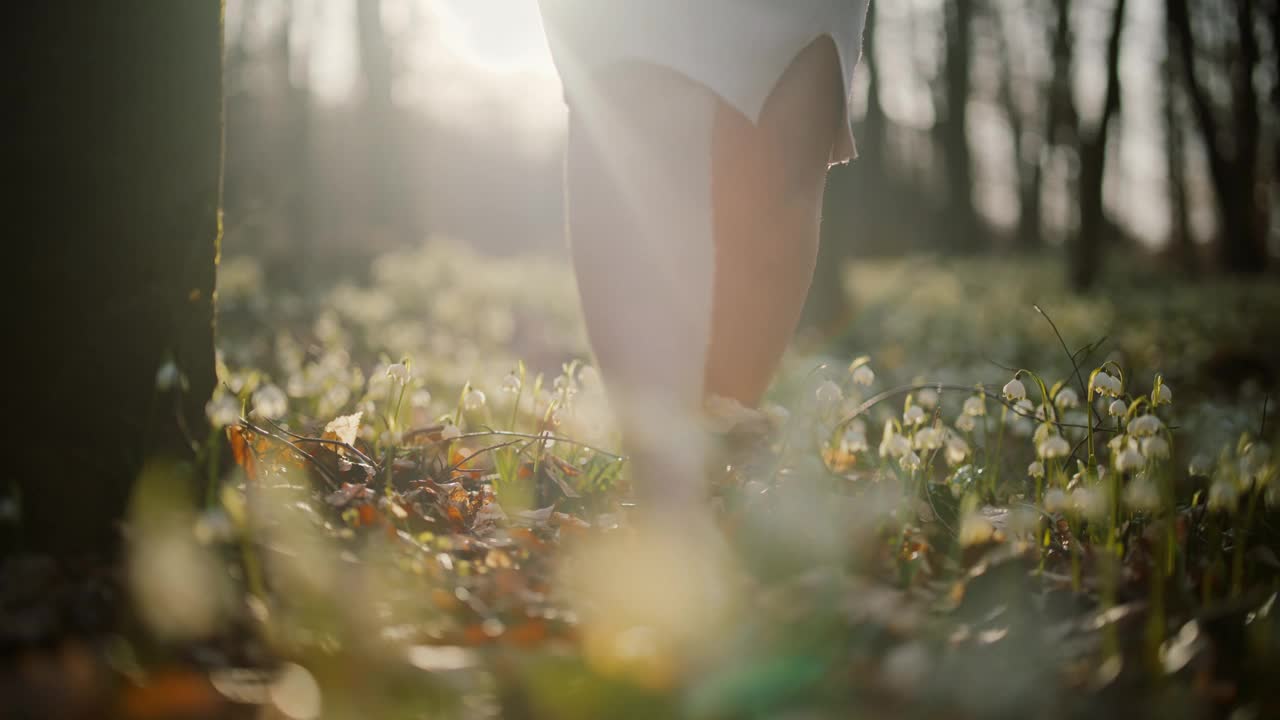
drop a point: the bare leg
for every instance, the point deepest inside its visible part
(694, 234)
(768, 183)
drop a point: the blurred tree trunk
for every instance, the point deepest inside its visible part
(1086, 252)
(962, 228)
(1026, 151)
(118, 157)
(848, 209)
(376, 71)
(1063, 122)
(1180, 240)
(296, 268)
(1233, 154)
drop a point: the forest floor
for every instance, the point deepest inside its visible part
(962, 505)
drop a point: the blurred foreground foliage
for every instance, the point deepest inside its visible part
(959, 521)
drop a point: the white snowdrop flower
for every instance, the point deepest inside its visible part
(1223, 495)
(222, 409)
(1155, 447)
(1142, 494)
(828, 395)
(1055, 500)
(1129, 458)
(1161, 395)
(1036, 470)
(1043, 431)
(1042, 413)
(1054, 446)
(1024, 408)
(910, 461)
(928, 439)
(863, 375)
(892, 443)
(168, 377)
(450, 432)
(1066, 399)
(269, 401)
(398, 372)
(511, 383)
(420, 399)
(913, 415)
(1117, 408)
(975, 405)
(1014, 390)
(1144, 426)
(928, 398)
(1200, 466)
(1107, 384)
(966, 423)
(1117, 443)
(473, 399)
(957, 450)
(1089, 502)
(896, 446)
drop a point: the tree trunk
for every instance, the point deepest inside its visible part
(1180, 241)
(1086, 251)
(963, 231)
(118, 145)
(1233, 162)
(376, 71)
(1026, 156)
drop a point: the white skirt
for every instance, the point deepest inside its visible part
(739, 49)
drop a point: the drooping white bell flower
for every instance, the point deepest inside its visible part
(1089, 502)
(1053, 446)
(1107, 384)
(966, 423)
(473, 399)
(910, 461)
(975, 405)
(1129, 458)
(1066, 399)
(913, 415)
(1161, 395)
(1036, 469)
(1155, 447)
(1145, 425)
(957, 450)
(398, 372)
(863, 375)
(1055, 500)
(1117, 408)
(511, 383)
(1014, 390)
